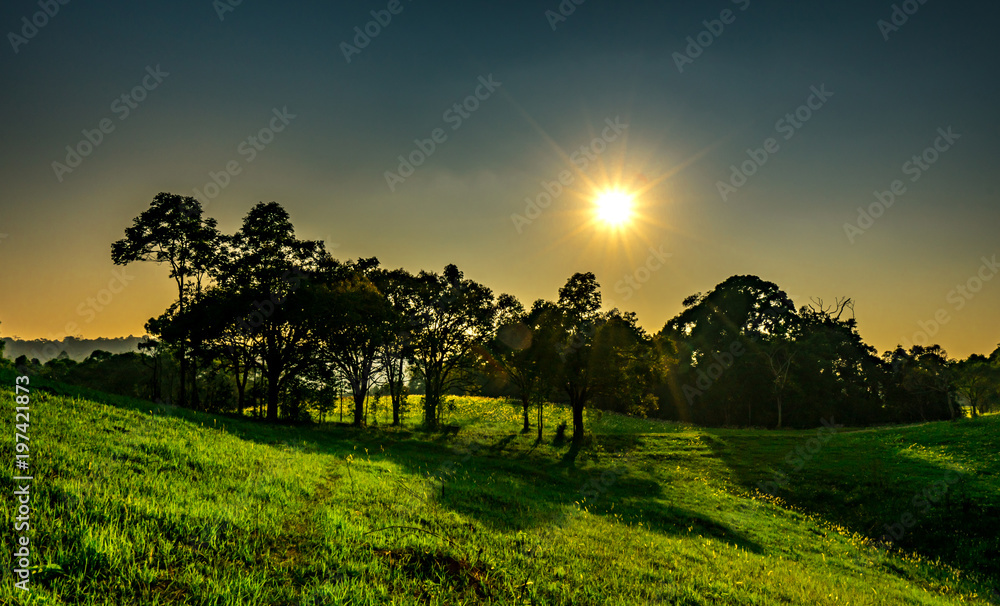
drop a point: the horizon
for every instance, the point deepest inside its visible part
(836, 151)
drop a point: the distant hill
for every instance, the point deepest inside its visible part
(77, 349)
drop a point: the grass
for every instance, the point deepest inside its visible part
(502, 415)
(135, 503)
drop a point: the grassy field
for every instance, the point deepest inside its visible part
(135, 503)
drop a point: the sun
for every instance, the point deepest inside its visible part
(614, 208)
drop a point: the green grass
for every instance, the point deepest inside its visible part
(500, 416)
(142, 504)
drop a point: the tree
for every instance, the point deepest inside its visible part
(711, 336)
(23, 364)
(218, 320)
(352, 322)
(673, 356)
(265, 267)
(741, 307)
(152, 349)
(98, 355)
(398, 287)
(921, 384)
(523, 353)
(992, 401)
(452, 317)
(976, 380)
(173, 231)
(779, 354)
(575, 318)
(626, 368)
(835, 372)
(62, 364)
(237, 347)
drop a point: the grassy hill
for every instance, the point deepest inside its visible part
(142, 504)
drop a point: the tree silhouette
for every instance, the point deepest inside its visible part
(921, 384)
(626, 369)
(173, 231)
(266, 266)
(399, 288)
(452, 317)
(269, 316)
(976, 380)
(743, 313)
(525, 354)
(352, 321)
(834, 372)
(576, 318)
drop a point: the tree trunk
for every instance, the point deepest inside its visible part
(396, 392)
(432, 400)
(359, 406)
(183, 394)
(195, 400)
(241, 386)
(430, 408)
(540, 420)
(525, 404)
(180, 297)
(577, 405)
(272, 398)
(241, 391)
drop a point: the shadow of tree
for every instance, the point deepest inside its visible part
(509, 483)
(864, 481)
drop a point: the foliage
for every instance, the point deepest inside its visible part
(173, 231)
(452, 318)
(268, 319)
(351, 322)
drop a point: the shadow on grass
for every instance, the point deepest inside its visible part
(500, 445)
(507, 483)
(869, 483)
(667, 519)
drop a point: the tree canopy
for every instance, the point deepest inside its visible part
(273, 323)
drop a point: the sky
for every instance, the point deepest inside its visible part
(837, 149)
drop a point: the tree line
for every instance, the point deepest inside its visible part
(263, 317)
